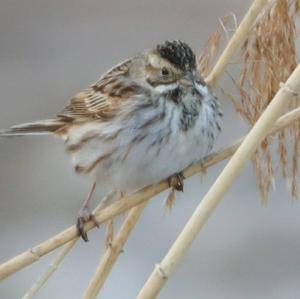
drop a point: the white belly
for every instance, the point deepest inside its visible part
(163, 151)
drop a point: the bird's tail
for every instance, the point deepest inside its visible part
(42, 127)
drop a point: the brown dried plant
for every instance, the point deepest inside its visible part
(211, 49)
(268, 58)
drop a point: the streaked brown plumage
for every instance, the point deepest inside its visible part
(144, 120)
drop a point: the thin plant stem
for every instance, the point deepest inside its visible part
(50, 270)
(237, 39)
(57, 261)
(112, 252)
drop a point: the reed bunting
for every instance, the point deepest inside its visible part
(144, 120)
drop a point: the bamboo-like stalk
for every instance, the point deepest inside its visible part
(162, 271)
(59, 258)
(237, 39)
(50, 270)
(112, 252)
(32, 255)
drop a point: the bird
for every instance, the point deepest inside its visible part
(143, 121)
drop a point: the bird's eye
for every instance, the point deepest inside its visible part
(164, 71)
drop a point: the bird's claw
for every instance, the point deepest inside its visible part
(84, 216)
(80, 227)
(176, 181)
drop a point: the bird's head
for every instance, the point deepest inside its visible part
(171, 65)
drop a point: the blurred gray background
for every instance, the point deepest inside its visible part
(49, 50)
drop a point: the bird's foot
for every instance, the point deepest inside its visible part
(84, 216)
(176, 181)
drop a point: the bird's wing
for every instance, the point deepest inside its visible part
(102, 99)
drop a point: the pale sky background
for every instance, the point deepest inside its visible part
(49, 50)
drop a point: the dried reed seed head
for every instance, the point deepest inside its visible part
(211, 48)
(170, 199)
(297, 7)
(268, 58)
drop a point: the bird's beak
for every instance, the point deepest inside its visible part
(188, 80)
(192, 80)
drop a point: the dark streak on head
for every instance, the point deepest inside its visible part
(179, 54)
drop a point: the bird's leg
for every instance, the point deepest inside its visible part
(176, 181)
(85, 214)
